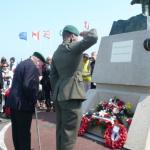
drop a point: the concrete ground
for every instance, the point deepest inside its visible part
(46, 121)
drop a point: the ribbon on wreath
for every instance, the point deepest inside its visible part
(115, 136)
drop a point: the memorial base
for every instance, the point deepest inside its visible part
(138, 130)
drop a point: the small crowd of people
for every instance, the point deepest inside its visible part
(45, 101)
(65, 79)
(7, 69)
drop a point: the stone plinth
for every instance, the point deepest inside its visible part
(122, 69)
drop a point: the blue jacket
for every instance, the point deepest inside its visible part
(25, 85)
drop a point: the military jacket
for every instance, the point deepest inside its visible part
(66, 68)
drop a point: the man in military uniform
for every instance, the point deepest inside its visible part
(67, 84)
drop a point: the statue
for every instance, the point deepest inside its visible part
(145, 6)
(135, 23)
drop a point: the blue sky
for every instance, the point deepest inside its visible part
(42, 15)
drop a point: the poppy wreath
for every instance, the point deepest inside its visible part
(84, 124)
(115, 140)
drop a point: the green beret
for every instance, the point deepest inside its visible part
(71, 29)
(39, 56)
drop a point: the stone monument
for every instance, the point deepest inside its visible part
(135, 23)
(145, 6)
(122, 69)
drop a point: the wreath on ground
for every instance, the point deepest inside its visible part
(113, 118)
(115, 136)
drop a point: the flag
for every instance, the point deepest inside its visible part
(23, 35)
(86, 25)
(36, 35)
(46, 34)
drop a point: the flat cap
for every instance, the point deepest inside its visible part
(71, 29)
(39, 56)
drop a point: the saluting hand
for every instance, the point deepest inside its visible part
(83, 33)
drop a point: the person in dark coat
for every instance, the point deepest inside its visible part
(46, 85)
(12, 64)
(1, 88)
(2, 62)
(1, 78)
(92, 64)
(22, 99)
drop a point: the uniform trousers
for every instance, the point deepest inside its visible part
(68, 117)
(21, 125)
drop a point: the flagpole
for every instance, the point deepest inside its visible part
(40, 40)
(30, 43)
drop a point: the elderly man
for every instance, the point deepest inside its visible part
(22, 99)
(67, 84)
